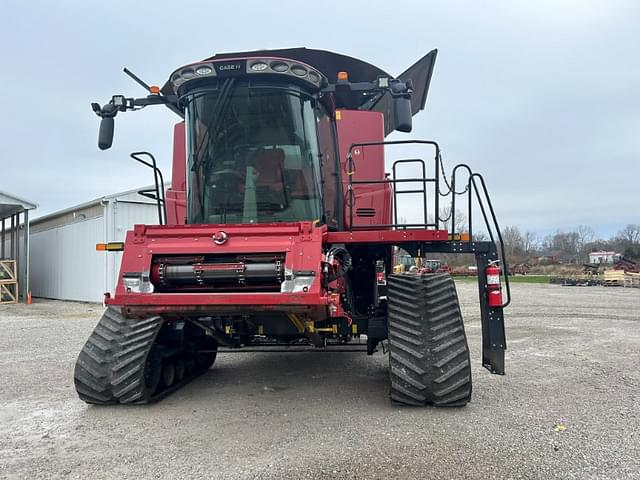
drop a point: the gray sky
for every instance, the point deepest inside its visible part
(542, 97)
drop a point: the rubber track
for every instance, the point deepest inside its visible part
(428, 351)
(110, 367)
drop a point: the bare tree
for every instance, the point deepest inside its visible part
(513, 243)
(460, 220)
(630, 233)
(530, 242)
(480, 236)
(565, 244)
(585, 235)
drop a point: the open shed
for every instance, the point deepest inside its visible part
(14, 239)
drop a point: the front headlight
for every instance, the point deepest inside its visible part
(137, 282)
(296, 282)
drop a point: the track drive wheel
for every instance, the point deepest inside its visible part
(428, 351)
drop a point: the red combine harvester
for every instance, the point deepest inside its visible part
(278, 230)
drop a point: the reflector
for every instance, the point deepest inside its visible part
(110, 247)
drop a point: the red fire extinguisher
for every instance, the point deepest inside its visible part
(494, 288)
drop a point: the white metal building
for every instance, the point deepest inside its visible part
(64, 262)
(604, 257)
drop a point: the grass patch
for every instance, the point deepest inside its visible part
(530, 278)
(514, 279)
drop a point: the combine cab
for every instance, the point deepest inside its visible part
(278, 232)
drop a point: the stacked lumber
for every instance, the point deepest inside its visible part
(620, 278)
(8, 281)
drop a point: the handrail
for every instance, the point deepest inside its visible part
(436, 179)
(424, 181)
(472, 185)
(476, 185)
(159, 184)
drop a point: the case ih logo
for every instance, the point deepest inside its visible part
(230, 68)
(220, 237)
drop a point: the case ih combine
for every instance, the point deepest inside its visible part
(278, 230)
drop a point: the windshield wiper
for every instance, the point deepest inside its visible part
(225, 92)
(199, 159)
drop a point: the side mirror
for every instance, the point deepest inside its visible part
(402, 117)
(105, 135)
(401, 94)
(106, 114)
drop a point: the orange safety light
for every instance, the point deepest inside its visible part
(343, 76)
(154, 89)
(110, 247)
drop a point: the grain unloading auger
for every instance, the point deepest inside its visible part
(278, 231)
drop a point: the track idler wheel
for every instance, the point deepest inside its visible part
(168, 373)
(190, 365)
(180, 369)
(207, 352)
(153, 372)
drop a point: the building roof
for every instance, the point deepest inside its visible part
(131, 196)
(10, 204)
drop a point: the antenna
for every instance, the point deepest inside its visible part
(137, 79)
(172, 100)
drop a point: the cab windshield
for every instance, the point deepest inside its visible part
(253, 155)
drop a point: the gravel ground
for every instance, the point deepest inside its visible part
(572, 363)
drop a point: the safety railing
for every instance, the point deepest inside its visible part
(475, 188)
(158, 192)
(488, 215)
(394, 182)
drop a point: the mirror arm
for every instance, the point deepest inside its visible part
(119, 103)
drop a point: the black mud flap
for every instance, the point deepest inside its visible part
(494, 342)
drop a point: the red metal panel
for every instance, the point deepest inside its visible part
(391, 237)
(176, 199)
(300, 242)
(260, 301)
(355, 126)
(233, 230)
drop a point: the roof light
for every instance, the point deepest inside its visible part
(299, 70)
(118, 101)
(383, 82)
(279, 67)
(204, 70)
(259, 66)
(154, 90)
(187, 73)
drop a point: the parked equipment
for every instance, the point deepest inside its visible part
(280, 229)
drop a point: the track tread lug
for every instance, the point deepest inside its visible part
(428, 352)
(111, 366)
